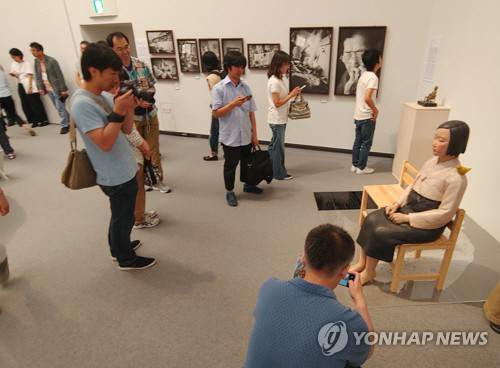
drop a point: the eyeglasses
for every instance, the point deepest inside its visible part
(120, 49)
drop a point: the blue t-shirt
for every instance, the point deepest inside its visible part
(235, 128)
(116, 166)
(300, 324)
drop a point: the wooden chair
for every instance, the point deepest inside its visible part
(446, 243)
(385, 195)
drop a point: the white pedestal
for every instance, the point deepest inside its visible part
(416, 131)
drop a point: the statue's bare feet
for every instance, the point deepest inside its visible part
(358, 267)
(365, 277)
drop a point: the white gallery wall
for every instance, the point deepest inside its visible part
(468, 76)
(467, 40)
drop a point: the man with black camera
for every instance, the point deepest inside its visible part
(146, 119)
(103, 125)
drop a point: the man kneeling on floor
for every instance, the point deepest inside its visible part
(103, 125)
(300, 323)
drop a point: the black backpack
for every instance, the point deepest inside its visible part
(259, 167)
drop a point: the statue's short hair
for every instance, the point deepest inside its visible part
(459, 136)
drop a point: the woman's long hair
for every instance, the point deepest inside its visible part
(279, 58)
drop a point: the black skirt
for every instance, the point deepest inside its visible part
(379, 235)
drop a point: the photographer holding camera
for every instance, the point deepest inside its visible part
(146, 119)
(103, 125)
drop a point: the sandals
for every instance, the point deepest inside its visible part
(11, 156)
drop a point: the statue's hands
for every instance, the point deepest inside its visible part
(389, 210)
(399, 218)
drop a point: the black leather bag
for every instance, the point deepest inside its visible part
(259, 167)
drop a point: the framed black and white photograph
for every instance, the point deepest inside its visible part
(261, 54)
(311, 53)
(165, 69)
(209, 44)
(161, 42)
(188, 55)
(353, 42)
(232, 44)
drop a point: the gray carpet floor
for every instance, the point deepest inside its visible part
(68, 305)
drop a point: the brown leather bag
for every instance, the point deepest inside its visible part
(79, 172)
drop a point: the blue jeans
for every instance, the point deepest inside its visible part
(214, 135)
(277, 150)
(60, 107)
(122, 201)
(365, 129)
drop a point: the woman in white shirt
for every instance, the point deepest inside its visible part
(28, 93)
(420, 215)
(277, 117)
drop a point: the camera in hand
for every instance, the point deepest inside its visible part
(140, 92)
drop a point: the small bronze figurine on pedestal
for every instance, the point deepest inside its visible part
(429, 101)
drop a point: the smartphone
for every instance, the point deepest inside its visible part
(304, 86)
(345, 280)
(248, 97)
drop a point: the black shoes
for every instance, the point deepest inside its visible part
(45, 123)
(252, 189)
(4, 271)
(231, 199)
(140, 264)
(136, 244)
(211, 158)
(64, 130)
(34, 125)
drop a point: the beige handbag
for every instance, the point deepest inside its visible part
(79, 172)
(299, 109)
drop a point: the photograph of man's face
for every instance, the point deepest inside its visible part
(353, 42)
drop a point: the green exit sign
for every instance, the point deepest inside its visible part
(98, 6)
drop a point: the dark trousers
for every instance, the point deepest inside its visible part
(122, 200)
(365, 129)
(4, 140)
(7, 103)
(214, 135)
(32, 106)
(232, 156)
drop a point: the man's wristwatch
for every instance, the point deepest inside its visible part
(115, 118)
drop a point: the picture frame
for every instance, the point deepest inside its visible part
(261, 54)
(161, 42)
(209, 44)
(165, 68)
(189, 58)
(232, 44)
(311, 58)
(353, 42)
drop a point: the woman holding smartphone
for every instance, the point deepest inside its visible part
(277, 117)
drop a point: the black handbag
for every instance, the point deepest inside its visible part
(259, 167)
(151, 173)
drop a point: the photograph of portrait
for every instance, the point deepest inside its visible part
(188, 55)
(232, 44)
(161, 42)
(261, 54)
(165, 69)
(209, 44)
(311, 53)
(353, 42)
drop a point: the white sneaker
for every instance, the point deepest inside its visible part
(366, 170)
(163, 188)
(353, 168)
(148, 222)
(150, 214)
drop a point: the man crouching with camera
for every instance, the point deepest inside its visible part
(103, 125)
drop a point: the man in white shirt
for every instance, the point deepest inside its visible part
(365, 113)
(78, 67)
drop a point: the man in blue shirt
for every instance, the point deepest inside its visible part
(299, 323)
(233, 105)
(102, 125)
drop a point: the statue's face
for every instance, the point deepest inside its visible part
(354, 47)
(440, 142)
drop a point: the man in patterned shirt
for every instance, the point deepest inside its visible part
(146, 119)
